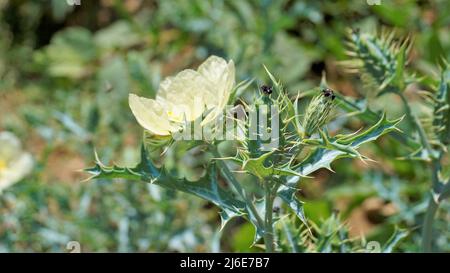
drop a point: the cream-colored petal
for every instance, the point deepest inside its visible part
(190, 93)
(187, 92)
(150, 115)
(221, 74)
(230, 81)
(174, 114)
(16, 170)
(216, 69)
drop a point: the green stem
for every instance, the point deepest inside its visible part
(292, 241)
(267, 223)
(233, 183)
(435, 168)
(414, 121)
(427, 232)
(268, 231)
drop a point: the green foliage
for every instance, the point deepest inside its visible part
(331, 236)
(382, 63)
(65, 74)
(208, 188)
(330, 149)
(268, 167)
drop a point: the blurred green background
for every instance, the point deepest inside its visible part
(65, 75)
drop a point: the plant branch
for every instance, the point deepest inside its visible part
(234, 184)
(427, 232)
(433, 205)
(414, 121)
(268, 231)
(291, 239)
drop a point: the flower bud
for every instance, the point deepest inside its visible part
(318, 112)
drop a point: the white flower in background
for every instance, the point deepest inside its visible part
(15, 164)
(186, 97)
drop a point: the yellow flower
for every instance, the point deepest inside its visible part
(15, 164)
(186, 97)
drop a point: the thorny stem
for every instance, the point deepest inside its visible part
(267, 223)
(290, 237)
(268, 231)
(433, 206)
(233, 183)
(413, 120)
(427, 233)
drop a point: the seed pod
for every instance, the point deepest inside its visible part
(318, 112)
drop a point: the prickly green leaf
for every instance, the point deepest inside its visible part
(330, 150)
(419, 155)
(256, 167)
(382, 127)
(260, 208)
(207, 187)
(287, 194)
(226, 215)
(327, 143)
(360, 109)
(323, 157)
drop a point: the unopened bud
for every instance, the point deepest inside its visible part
(318, 112)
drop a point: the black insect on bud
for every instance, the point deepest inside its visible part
(328, 93)
(267, 90)
(317, 112)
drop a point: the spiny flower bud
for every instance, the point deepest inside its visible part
(318, 112)
(441, 115)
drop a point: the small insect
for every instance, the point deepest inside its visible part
(267, 89)
(327, 92)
